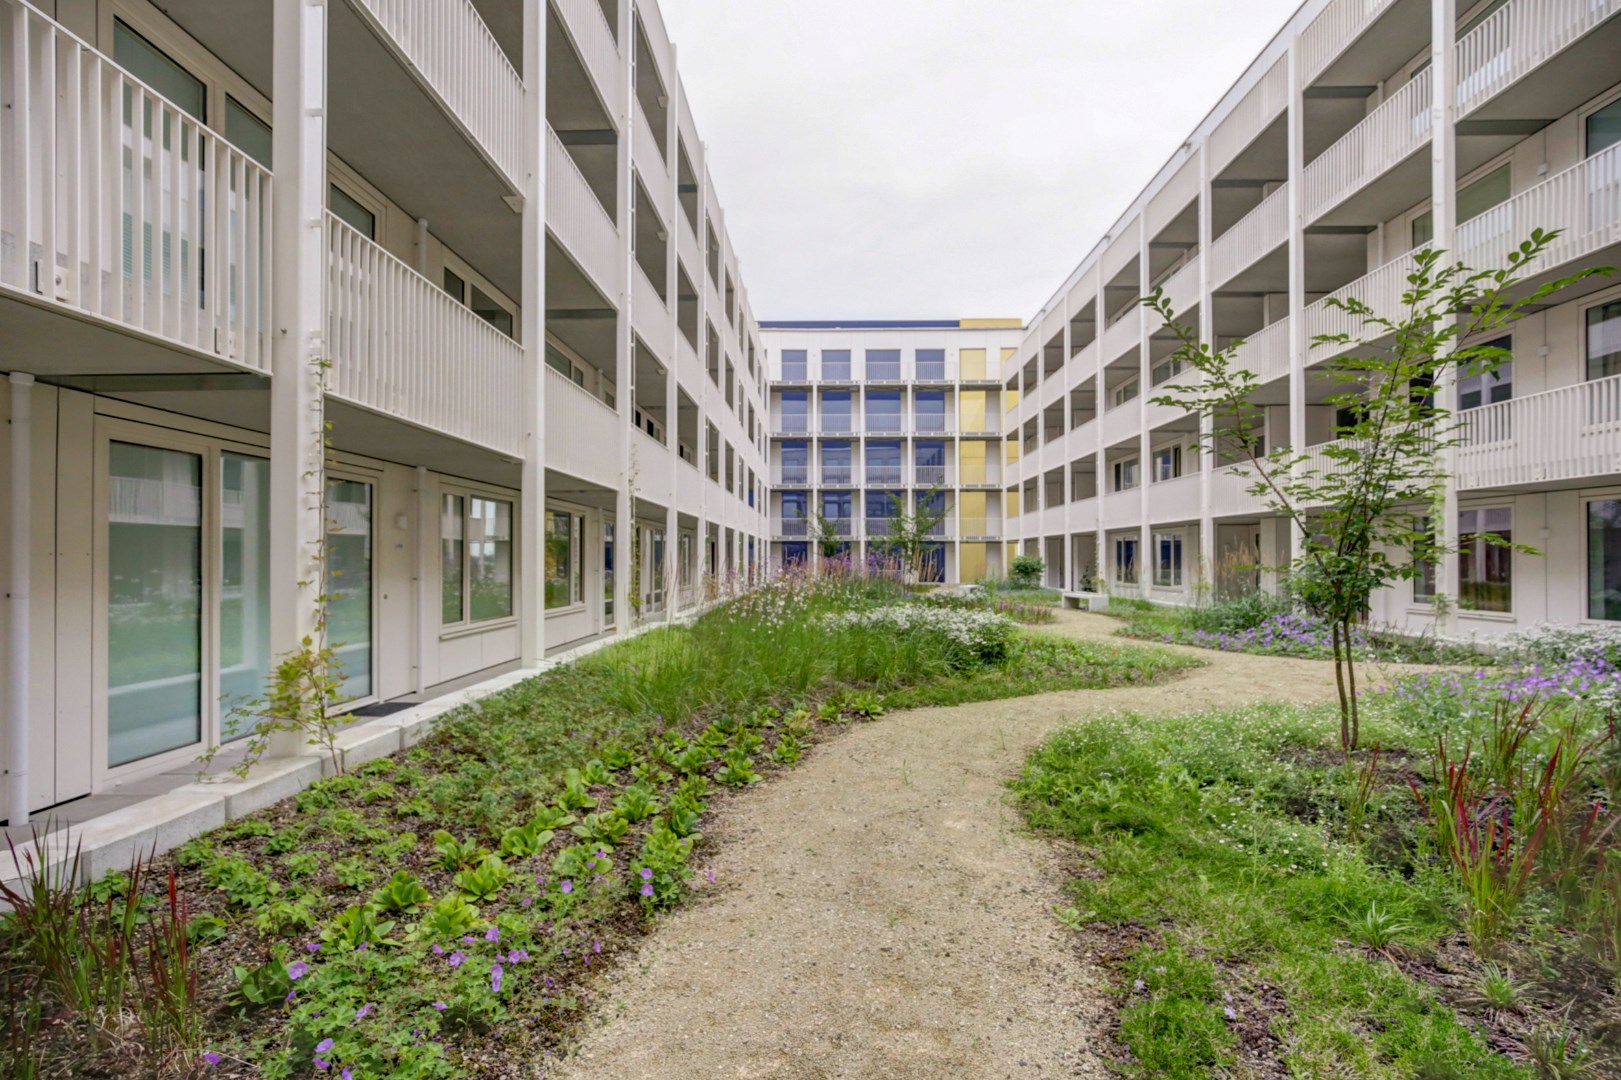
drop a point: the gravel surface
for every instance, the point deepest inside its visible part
(879, 912)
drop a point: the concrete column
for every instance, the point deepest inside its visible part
(1145, 529)
(532, 485)
(1207, 334)
(1105, 554)
(1444, 211)
(19, 696)
(672, 408)
(626, 565)
(297, 405)
(1297, 272)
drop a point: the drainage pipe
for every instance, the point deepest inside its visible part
(17, 696)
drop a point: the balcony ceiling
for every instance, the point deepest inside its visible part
(1394, 38)
(415, 155)
(1578, 73)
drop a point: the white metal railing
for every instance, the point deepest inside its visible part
(792, 527)
(1341, 23)
(400, 345)
(1255, 234)
(1124, 332)
(1381, 290)
(456, 56)
(1564, 434)
(878, 527)
(1520, 36)
(1399, 126)
(594, 40)
(578, 220)
(884, 474)
(118, 203)
(1583, 202)
(1266, 352)
(929, 475)
(926, 424)
(1182, 288)
(649, 159)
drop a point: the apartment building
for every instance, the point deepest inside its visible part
(872, 418)
(427, 309)
(1365, 130)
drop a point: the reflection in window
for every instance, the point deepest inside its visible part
(489, 559)
(349, 582)
(560, 559)
(452, 551)
(244, 588)
(154, 601)
(1604, 342)
(1604, 559)
(1485, 570)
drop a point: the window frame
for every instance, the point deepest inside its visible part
(1168, 577)
(1586, 499)
(467, 493)
(577, 541)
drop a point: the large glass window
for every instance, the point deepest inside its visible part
(489, 559)
(795, 411)
(1604, 559)
(154, 601)
(1474, 199)
(1168, 564)
(795, 366)
(1125, 560)
(244, 588)
(931, 363)
(837, 507)
(930, 407)
(1604, 340)
(608, 573)
(883, 363)
(930, 462)
(883, 463)
(795, 553)
(1488, 387)
(347, 209)
(155, 68)
(836, 462)
(563, 553)
(349, 582)
(1604, 128)
(883, 410)
(795, 457)
(836, 364)
(932, 504)
(1125, 474)
(1167, 463)
(836, 412)
(1485, 570)
(452, 553)
(247, 132)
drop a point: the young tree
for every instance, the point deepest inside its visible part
(825, 535)
(911, 529)
(1372, 493)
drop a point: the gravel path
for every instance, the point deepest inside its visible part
(878, 911)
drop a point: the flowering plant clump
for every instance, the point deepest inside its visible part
(1286, 634)
(1586, 678)
(974, 636)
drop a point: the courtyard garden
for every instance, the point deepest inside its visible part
(444, 912)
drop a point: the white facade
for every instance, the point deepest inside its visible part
(472, 245)
(865, 414)
(1366, 128)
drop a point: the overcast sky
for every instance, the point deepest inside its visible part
(943, 158)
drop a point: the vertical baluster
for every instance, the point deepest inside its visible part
(72, 181)
(177, 124)
(137, 202)
(50, 168)
(96, 205)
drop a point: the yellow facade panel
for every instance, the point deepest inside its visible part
(990, 324)
(971, 562)
(972, 456)
(971, 364)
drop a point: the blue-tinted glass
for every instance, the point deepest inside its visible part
(796, 552)
(931, 411)
(794, 504)
(880, 504)
(794, 364)
(883, 363)
(836, 411)
(835, 363)
(931, 363)
(931, 453)
(836, 504)
(884, 410)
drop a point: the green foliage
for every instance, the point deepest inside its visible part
(352, 873)
(456, 854)
(1026, 570)
(356, 926)
(636, 804)
(300, 864)
(403, 893)
(242, 885)
(452, 917)
(603, 830)
(262, 986)
(485, 880)
(738, 770)
(283, 918)
(522, 841)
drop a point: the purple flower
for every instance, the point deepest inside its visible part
(438, 949)
(567, 886)
(647, 889)
(1229, 1013)
(323, 1046)
(319, 1064)
(712, 877)
(314, 947)
(495, 978)
(297, 970)
(346, 1075)
(1138, 985)
(467, 939)
(360, 1013)
(516, 955)
(211, 1058)
(647, 873)
(441, 1006)
(492, 934)
(291, 994)
(456, 959)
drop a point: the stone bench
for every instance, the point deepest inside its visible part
(1085, 601)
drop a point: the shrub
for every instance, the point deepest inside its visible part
(1026, 571)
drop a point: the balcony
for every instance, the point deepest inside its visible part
(884, 475)
(1256, 234)
(837, 476)
(979, 528)
(1515, 45)
(578, 221)
(400, 346)
(1172, 500)
(1583, 202)
(1393, 133)
(1381, 290)
(792, 528)
(840, 526)
(931, 475)
(1122, 509)
(791, 477)
(930, 424)
(1340, 24)
(448, 49)
(878, 528)
(790, 425)
(594, 41)
(1266, 352)
(837, 425)
(1125, 331)
(649, 162)
(1182, 288)
(75, 218)
(1571, 433)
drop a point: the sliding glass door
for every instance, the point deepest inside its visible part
(349, 582)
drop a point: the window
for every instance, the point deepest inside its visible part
(1485, 570)
(836, 461)
(1168, 368)
(1604, 559)
(1125, 474)
(884, 410)
(795, 367)
(1167, 463)
(931, 508)
(1488, 387)
(931, 363)
(156, 69)
(836, 507)
(883, 363)
(795, 411)
(1604, 340)
(930, 410)
(836, 364)
(1604, 128)
(1123, 393)
(490, 310)
(1168, 562)
(247, 132)
(796, 553)
(930, 461)
(795, 457)
(1424, 564)
(880, 508)
(565, 574)
(347, 209)
(836, 411)
(452, 556)
(475, 551)
(349, 507)
(457, 288)
(1125, 560)
(1474, 199)
(883, 463)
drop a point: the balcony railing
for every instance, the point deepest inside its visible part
(837, 476)
(929, 475)
(1388, 135)
(927, 424)
(837, 426)
(176, 247)
(883, 372)
(1381, 290)
(1256, 234)
(836, 372)
(884, 474)
(594, 40)
(1266, 352)
(793, 527)
(794, 477)
(1583, 202)
(1181, 289)
(839, 526)
(453, 53)
(579, 220)
(791, 425)
(402, 347)
(1565, 434)
(879, 527)
(931, 372)
(1518, 38)
(979, 526)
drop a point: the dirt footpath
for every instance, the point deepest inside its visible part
(877, 911)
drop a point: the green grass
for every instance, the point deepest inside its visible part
(1002, 588)
(1223, 874)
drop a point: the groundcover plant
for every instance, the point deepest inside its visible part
(441, 912)
(1447, 903)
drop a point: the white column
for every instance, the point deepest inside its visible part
(1444, 211)
(1145, 545)
(1207, 334)
(532, 485)
(1100, 399)
(1297, 274)
(18, 694)
(297, 405)
(625, 531)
